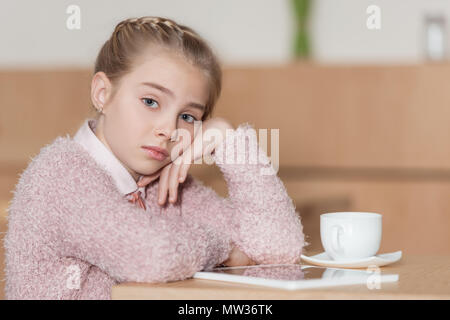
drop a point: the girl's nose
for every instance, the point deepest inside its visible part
(167, 133)
(166, 129)
(162, 132)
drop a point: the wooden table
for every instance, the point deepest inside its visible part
(420, 277)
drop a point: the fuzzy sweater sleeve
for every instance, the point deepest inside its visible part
(98, 225)
(258, 214)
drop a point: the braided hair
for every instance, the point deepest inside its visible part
(132, 36)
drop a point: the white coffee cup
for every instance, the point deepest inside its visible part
(350, 235)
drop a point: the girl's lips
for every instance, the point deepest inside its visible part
(152, 153)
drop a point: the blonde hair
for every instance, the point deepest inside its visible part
(131, 36)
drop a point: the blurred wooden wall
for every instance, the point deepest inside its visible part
(351, 138)
(358, 138)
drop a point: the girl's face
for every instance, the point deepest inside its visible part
(163, 93)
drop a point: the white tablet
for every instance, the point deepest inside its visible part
(296, 276)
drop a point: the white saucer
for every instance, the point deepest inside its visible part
(322, 259)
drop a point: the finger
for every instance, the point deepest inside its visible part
(183, 172)
(145, 180)
(184, 162)
(163, 184)
(191, 155)
(173, 183)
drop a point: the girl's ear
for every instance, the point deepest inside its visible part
(100, 87)
(102, 97)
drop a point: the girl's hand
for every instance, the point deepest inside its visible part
(238, 258)
(175, 172)
(145, 180)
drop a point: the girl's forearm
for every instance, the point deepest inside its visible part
(270, 230)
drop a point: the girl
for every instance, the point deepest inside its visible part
(90, 211)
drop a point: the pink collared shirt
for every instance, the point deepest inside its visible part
(103, 156)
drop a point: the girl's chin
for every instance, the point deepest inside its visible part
(147, 170)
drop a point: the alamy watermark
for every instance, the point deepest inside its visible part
(74, 277)
(73, 21)
(373, 21)
(374, 280)
(241, 149)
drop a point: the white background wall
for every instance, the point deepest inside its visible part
(33, 34)
(340, 34)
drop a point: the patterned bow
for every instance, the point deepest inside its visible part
(136, 196)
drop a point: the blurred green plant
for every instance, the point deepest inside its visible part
(301, 44)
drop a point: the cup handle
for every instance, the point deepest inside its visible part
(336, 232)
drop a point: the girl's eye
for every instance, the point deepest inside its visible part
(189, 119)
(151, 102)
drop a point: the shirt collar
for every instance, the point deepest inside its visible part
(103, 156)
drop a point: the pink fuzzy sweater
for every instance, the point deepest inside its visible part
(72, 235)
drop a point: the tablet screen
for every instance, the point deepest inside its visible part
(295, 276)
